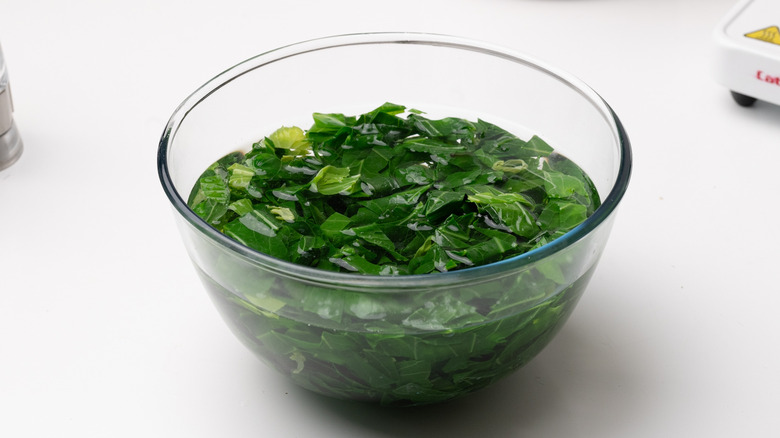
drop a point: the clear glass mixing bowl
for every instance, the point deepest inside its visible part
(397, 340)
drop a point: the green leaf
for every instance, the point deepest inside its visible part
(241, 206)
(386, 108)
(415, 371)
(441, 204)
(359, 264)
(448, 127)
(437, 314)
(215, 188)
(240, 176)
(511, 166)
(367, 307)
(334, 224)
(432, 146)
(455, 232)
(373, 234)
(559, 185)
(261, 221)
(282, 213)
(290, 139)
(256, 234)
(500, 143)
(211, 211)
(459, 179)
(330, 122)
(415, 174)
(490, 250)
(397, 205)
(516, 217)
(332, 180)
(507, 211)
(563, 215)
(498, 198)
(538, 147)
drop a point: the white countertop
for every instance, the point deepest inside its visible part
(105, 330)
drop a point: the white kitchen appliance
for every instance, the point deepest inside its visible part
(747, 52)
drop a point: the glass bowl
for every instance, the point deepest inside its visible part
(394, 340)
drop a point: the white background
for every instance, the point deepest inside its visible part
(105, 330)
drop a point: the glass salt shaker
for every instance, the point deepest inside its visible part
(10, 141)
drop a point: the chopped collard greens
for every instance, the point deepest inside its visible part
(388, 194)
(391, 193)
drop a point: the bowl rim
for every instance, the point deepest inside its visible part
(397, 282)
